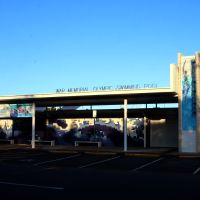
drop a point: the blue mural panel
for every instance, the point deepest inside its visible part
(188, 111)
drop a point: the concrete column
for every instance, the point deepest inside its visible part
(33, 126)
(197, 73)
(47, 122)
(145, 132)
(125, 124)
(94, 115)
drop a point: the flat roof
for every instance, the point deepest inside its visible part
(109, 97)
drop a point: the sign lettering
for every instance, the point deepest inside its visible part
(107, 88)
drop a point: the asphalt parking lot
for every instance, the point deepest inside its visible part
(55, 173)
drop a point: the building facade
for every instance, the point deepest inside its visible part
(142, 117)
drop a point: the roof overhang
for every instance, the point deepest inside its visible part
(138, 96)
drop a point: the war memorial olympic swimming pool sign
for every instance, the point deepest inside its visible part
(107, 88)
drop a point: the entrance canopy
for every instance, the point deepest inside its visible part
(117, 127)
(139, 96)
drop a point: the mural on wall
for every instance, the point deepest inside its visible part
(6, 127)
(4, 110)
(15, 110)
(20, 110)
(188, 110)
(108, 131)
(135, 131)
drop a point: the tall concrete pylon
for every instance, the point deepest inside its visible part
(197, 72)
(188, 98)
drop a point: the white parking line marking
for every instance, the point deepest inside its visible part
(147, 164)
(33, 186)
(50, 161)
(98, 162)
(196, 171)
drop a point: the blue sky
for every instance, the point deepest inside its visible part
(50, 44)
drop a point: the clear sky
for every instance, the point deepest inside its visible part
(50, 44)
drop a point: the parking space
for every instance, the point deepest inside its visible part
(30, 157)
(78, 161)
(123, 163)
(174, 165)
(60, 172)
(100, 161)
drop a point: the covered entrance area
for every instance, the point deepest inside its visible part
(130, 118)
